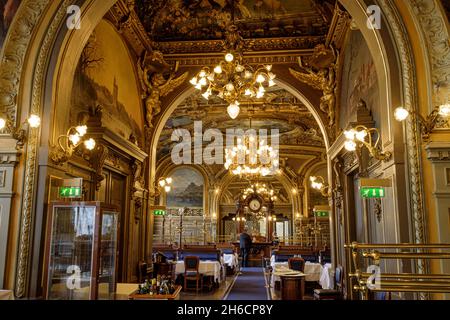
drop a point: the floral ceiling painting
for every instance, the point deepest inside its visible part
(207, 19)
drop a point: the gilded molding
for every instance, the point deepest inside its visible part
(32, 150)
(15, 48)
(413, 147)
(432, 23)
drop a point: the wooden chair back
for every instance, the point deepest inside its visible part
(297, 264)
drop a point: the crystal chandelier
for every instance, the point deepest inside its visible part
(232, 79)
(262, 189)
(242, 158)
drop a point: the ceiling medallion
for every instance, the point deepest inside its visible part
(232, 79)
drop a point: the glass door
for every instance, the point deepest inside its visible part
(71, 253)
(107, 256)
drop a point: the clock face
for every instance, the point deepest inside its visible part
(254, 205)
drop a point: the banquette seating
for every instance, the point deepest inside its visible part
(282, 254)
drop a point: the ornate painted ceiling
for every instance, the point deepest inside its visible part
(305, 21)
(280, 110)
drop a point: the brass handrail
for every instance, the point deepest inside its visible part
(405, 255)
(401, 282)
(406, 276)
(416, 290)
(355, 245)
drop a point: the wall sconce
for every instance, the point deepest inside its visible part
(165, 183)
(318, 183)
(426, 124)
(33, 122)
(69, 142)
(362, 136)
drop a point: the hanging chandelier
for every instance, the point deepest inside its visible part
(260, 188)
(233, 80)
(251, 157)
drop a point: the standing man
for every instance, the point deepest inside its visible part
(245, 243)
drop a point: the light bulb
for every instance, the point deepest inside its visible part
(239, 68)
(89, 144)
(202, 74)
(271, 83)
(444, 110)
(203, 82)
(361, 135)
(233, 110)
(162, 182)
(400, 114)
(34, 121)
(206, 94)
(268, 67)
(260, 78)
(169, 180)
(350, 134)
(218, 69)
(229, 57)
(81, 130)
(312, 178)
(229, 87)
(350, 145)
(167, 188)
(2, 123)
(194, 81)
(294, 191)
(74, 138)
(248, 92)
(248, 74)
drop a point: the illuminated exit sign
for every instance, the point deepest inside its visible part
(372, 192)
(321, 213)
(159, 212)
(70, 192)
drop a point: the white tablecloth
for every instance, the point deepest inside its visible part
(231, 259)
(313, 271)
(207, 268)
(326, 278)
(6, 295)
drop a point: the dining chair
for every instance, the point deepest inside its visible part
(332, 294)
(297, 264)
(191, 272)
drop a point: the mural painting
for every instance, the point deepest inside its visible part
(359, 80)
(187, 189)
(104, 77)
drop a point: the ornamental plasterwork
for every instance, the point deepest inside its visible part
(436, 34)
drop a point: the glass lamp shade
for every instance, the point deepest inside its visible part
(400, 114)
(233, 110)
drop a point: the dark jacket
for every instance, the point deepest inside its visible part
(245, 240)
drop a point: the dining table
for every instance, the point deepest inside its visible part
(207, 268)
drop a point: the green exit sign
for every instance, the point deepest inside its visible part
(70, 192)
(372, 192)
(321, 213)
(159, 212)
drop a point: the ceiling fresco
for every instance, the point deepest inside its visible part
(175, 20)
(280, 110)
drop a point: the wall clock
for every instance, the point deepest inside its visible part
(254, 205)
